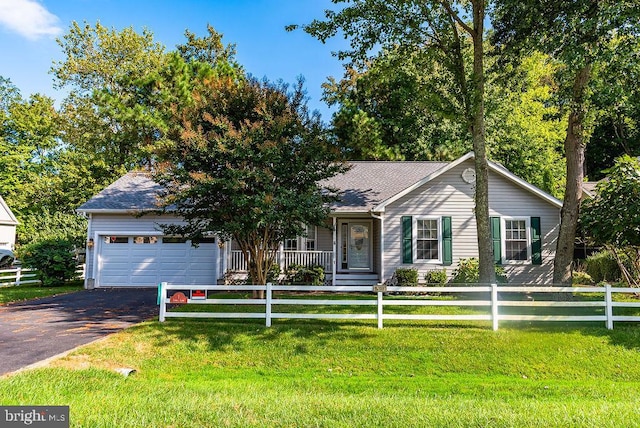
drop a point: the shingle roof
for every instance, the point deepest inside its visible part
(132, 192)
(367, 184)
(363, 187)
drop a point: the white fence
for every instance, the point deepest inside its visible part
(491, 298)
(18, 276)
(22, 276)
(286, 258)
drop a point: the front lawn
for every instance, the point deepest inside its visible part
(16, 293)
(198, 373)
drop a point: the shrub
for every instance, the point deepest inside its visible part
(468, 272)
(406, 277)
(54, 259)
(602, 266)
(582, 278)
(273, 276)
(304, 275)
(437, 277)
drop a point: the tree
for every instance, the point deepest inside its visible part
(612, 217)
(99, 62)
(403, 107)
(579, 34)
(443, 28)
(616, 99)
(244, 161)
(525, 126)
(400, 107)
(35, 180)
(209, 50)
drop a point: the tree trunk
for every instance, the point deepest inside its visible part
(574, 145)
(485, 256)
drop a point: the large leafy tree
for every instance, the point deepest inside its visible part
(616, 99)
(580, 35)
(99, 61)
(403, 107)
(612, 217)
(244, 160)
(400, 107)
(442, 28)
(525, 126)
(33, 169)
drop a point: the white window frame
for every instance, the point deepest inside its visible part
(313, 236)
(414, 239)
(301, 241)
(503, 238)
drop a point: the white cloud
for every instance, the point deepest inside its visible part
(28, 18)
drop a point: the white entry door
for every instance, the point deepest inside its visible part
(356, 246)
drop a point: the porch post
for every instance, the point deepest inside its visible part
(281, 257)
(381, 248)
(335, 251)
(225, 258)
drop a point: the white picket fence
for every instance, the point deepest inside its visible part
(496, 299)
(22, 276)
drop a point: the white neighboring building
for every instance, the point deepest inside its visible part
(8, 223)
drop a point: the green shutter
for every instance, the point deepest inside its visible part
(496, 237)
(447, 249)
(407, 239)
(536, 241)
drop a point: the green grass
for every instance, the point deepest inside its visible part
(18, 293)
(200, 373)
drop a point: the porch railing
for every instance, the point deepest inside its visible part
(285, 259)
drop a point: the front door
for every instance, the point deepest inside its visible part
(356, 246)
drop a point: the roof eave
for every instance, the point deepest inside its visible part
(382, 205)
(492, 166)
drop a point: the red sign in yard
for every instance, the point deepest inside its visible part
(198, 294)
(178, 297)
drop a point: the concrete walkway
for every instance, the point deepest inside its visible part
(35, 330)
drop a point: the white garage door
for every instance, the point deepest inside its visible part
(142, 261)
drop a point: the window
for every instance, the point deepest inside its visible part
(116, 239)
(291, 244)
(145, 240)
(310, 239)
(307, 242)
(515, 240)
(427, 239)
(173, 240)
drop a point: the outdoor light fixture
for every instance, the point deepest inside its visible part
(90, 243)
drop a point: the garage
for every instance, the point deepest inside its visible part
(145, 260)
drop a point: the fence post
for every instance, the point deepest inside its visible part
(18, 275)
(608, 309)
(494, 306)
(268, 304)
(162, 295)
(380, 306)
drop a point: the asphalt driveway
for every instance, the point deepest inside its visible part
(38, 329)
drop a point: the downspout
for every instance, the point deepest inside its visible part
(381, 218)
(334, 270)
(89, 274)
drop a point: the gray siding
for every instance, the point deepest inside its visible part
(449, 195)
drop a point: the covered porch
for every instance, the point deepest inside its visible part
(349, 251)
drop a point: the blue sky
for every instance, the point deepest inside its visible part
(29, 28)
